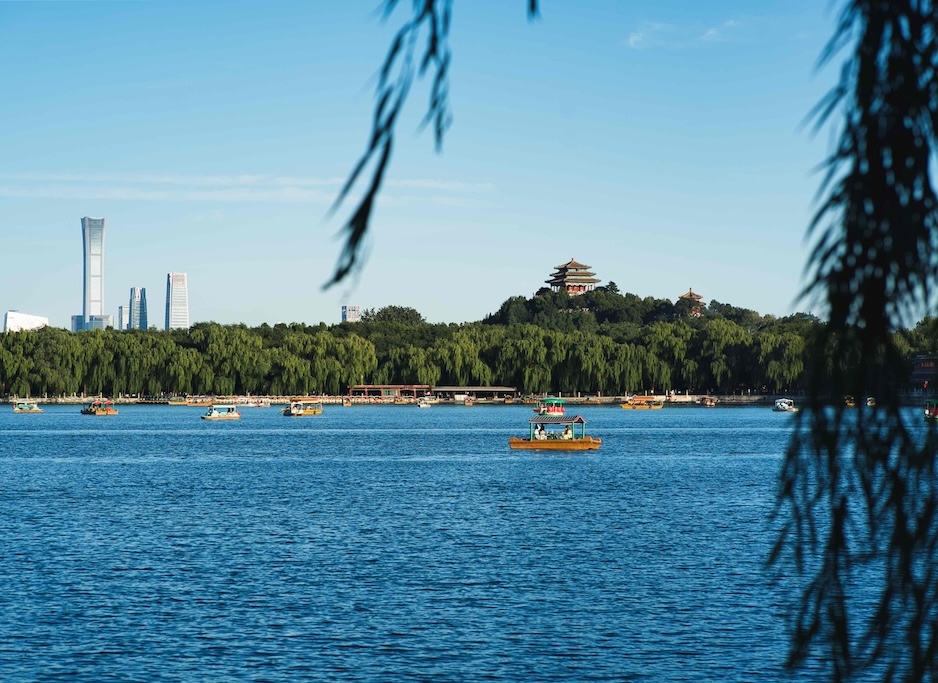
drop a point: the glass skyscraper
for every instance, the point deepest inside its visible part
(92, 236)
(138, 308)
(177, 301)
(92, 310)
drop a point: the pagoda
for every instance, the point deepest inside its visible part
(573, 278)
(695, 310)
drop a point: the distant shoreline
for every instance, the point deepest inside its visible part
(681, 400)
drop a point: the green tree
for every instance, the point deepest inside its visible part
(873, 266)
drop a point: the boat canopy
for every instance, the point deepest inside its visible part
(557, 419)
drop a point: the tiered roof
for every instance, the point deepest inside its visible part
(696, 309)
(573, 277)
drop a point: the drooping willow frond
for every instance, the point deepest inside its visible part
(859, 487)
(429, 22)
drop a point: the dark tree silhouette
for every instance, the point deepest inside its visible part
(858, 501)
(430, 21)
(858, 498)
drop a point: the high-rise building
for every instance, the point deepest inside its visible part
(138, 308)
(351, 314)
(121, 318)
(177, 301)
(92, 236)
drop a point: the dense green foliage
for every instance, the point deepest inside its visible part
(599, 343)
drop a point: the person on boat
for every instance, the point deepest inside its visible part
(539, 433)
(567, 434)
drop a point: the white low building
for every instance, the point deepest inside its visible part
(14, 321)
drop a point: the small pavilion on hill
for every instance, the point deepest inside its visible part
(696, 303)
(573, 278)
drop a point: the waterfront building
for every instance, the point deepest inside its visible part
(138, 308)
(573, 278)
(177, 301)
(351, 314)
(695, 303)
(14, 321)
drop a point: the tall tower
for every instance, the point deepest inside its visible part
(177, 301)
(92, 237)
(138, 308)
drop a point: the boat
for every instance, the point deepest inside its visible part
(301, 408)
(221, 412)
(550, 406)
(346, 402)
(544, 435)
(424, 402)
(252, 402)
(931, 410)
(708, 401)
(469, 402)
(642, 403)
(26, 407)
(850, 402)
(100, 406)
(870, 402)
(785, 405)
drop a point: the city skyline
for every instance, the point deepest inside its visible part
(663, 145)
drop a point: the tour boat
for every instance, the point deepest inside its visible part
(424, 402)
(346, 402)
(785, 405)
(26, 407)
(219, 413)
(544, 435)
(642, 403)
(708, 401)
(100, 406)
(301, 408)
(549, 406)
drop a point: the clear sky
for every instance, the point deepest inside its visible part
(660, 142)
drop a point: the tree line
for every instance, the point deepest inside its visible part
(602, 342)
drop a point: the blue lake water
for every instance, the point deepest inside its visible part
(388, 544)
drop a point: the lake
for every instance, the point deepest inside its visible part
(388, 543)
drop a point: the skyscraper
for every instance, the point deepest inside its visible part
(138, 308)
(92, 309)
(92, 236)
(177, 301)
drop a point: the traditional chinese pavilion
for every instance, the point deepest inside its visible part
(696, 301)
(573, 278)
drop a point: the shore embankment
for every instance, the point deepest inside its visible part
(676, 400)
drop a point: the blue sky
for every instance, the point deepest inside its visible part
(659, 142)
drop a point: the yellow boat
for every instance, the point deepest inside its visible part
(301, 408)
(100, 406)
(542, 439)
(642, 403)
